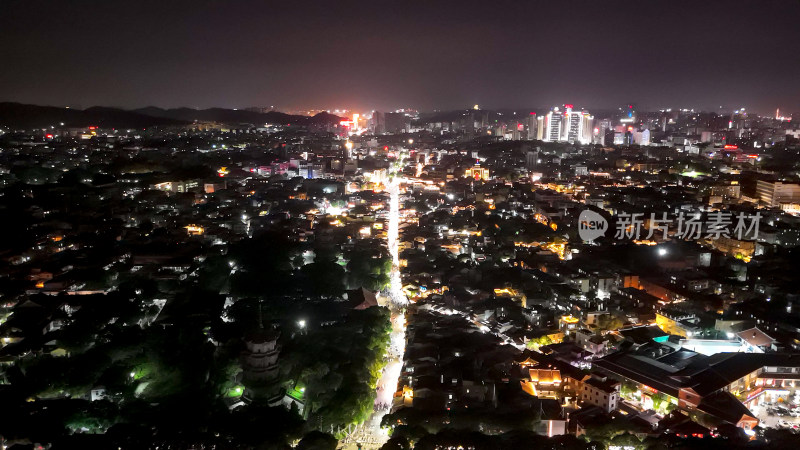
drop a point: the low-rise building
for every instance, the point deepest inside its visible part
(601, 391)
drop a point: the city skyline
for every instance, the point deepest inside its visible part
(390, 225)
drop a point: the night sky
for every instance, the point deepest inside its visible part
(392, 54)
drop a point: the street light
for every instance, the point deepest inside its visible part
(301, 324)
(410, 142)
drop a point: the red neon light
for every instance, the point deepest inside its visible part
(568, 106)
(730, 147)
(92, 128)
(49, 136)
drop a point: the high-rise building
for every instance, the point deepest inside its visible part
(574, 122)
(567, 126)
(379, 122)
(587, 128)
(641, 137)
(578, 126)
(532, 125)
(602, 128)
(551, 126)
(773, 193)
(609, 137)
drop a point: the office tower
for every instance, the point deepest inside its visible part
(567, 126)
(578, 126)
(609, 136)
(532, 125)
(379, 122)
(551, 126)
(773, 193)
(587, 123)
(540, 127)
(573, 124)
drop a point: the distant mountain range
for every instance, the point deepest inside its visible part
(235, 116)
(22, 116)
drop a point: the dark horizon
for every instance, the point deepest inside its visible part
(445, 56)
(344, 113)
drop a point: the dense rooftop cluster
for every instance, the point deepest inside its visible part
(235, 285)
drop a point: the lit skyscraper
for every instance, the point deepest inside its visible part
(569, 126)
(551, 126)
(587, 124)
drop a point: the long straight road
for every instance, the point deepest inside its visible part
(370, 435)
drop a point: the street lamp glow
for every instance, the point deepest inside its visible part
(410, 142)
(301, 323)
(662, 252)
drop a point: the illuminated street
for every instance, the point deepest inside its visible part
(370, 434)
